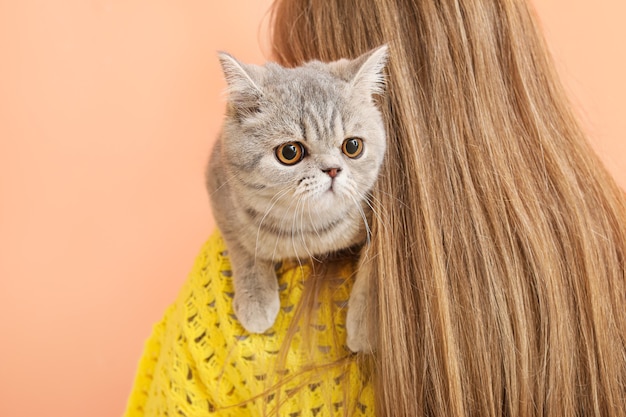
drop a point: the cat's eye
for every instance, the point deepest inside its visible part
(290, 153)
(352, 147)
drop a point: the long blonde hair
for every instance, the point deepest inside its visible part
(500, 237)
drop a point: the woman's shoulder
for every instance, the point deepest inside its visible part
(207, 362)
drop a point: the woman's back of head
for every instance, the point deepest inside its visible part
(500, 237)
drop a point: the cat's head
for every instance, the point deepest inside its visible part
(309, 138)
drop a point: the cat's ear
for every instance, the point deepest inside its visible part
(243, 81)
(370, 75)
(365, 73)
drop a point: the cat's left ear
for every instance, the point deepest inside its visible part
(365, 73)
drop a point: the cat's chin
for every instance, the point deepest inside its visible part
(331, 203)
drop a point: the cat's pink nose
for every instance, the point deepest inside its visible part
(332, 172)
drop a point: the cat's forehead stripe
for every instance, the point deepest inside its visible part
(315, 115)
(321, 121)
(338, 125)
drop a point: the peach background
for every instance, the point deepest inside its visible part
(107, 113)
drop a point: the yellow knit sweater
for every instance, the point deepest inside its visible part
(199, 361)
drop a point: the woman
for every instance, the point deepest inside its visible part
(500, 237)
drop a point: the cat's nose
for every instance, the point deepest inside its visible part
(332, 172)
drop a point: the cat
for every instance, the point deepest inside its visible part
(290, 173)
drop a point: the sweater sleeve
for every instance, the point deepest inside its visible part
(199, 361)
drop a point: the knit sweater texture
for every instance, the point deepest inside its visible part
(199, 361)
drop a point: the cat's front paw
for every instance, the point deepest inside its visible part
(257, 312)
(359, 338)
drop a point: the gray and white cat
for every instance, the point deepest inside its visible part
(290, 174)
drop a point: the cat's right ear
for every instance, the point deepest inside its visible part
(243, 81)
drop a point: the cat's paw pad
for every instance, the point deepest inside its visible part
(358, 335)
(257, 312)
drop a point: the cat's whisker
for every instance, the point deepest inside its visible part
(293, 230)
(280, 234)
(304, 243)
(236, 177)
(371, 201)
(357, 195)
(364, 217)
(228, 180)
(280, 194)
(298, 217)
(373, 204)
(313, 222)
